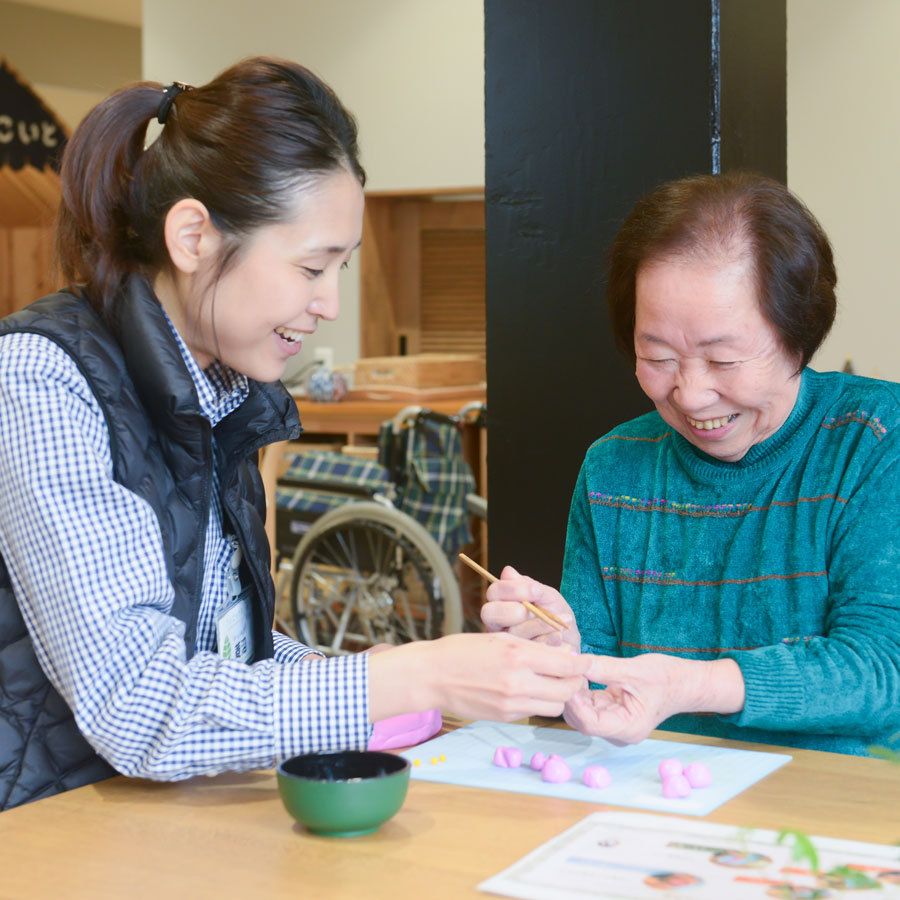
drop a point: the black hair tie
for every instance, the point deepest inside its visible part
(168, 98)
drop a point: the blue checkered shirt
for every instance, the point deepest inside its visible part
(85, 557)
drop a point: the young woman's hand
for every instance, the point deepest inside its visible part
(476, 676)
(644, 690)
(504, 610)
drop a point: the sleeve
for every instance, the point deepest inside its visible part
(287, 650)
(85, 559)
(582, 581)
(848, 679)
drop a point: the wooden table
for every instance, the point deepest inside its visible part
(230, 836)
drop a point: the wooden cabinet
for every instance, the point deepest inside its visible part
(422, 272)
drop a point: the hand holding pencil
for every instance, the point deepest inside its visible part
(511, 603)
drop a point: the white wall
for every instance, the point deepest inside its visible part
(71, 61)
(843, 91)
(411, 71)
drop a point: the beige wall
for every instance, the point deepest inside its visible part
(72, 62)
(412, 71)
(843, 145)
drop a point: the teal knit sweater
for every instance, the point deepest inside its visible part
(787, 561)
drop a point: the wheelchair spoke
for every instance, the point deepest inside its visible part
(361, 583)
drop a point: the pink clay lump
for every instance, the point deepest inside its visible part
(537, 761)
(670, 767)
(698, 775)
(508, 757)
(556, 770)
(596, 777)
(676, 786)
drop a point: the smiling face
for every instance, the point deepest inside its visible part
(713, 366)
(283, 281)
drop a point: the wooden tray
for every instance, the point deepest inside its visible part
(419, 371)
(419, 395)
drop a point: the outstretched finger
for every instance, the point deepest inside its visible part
(559, 661)
(608, 669)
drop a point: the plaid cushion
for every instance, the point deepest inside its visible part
(318, 502)
(331, 469)
(432, 477)
(424, 462)
(335, 468)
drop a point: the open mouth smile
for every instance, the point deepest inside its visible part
(289, 334)
(710, 424)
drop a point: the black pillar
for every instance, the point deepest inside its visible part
(588, 104)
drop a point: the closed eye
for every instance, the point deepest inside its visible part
(723, 364)
(311, 273)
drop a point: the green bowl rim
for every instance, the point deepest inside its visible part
(290, 775)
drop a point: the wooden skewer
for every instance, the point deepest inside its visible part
(550, 618)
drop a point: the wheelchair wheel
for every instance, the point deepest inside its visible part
(365, 574)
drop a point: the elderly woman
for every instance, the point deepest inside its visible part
(734, 556)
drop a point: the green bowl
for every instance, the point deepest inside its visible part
(343, 794)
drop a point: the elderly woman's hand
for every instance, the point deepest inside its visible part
(644, 690)
(504, 610)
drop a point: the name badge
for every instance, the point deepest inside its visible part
(234, 629)
(234, 625)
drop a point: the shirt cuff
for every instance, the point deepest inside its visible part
(322, 706)
(287, 650)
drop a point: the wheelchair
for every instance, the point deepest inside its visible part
(370, 542)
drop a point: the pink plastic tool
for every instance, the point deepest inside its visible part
(405, 730)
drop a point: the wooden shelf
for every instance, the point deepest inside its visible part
(422, 272)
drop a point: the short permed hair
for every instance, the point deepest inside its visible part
(708, 218)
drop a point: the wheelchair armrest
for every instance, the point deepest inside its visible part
(335, 487)
(476, 505)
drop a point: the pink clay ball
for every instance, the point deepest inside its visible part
(676, 786)
(556, 770)
(508, 757)
(596, 777)
(698, 775)
(537, 761)
(670, 767)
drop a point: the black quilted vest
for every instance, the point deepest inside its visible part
(163, 451)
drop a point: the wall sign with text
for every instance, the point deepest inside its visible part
(29, 132)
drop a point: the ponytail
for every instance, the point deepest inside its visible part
(243, 145)
(94, 237)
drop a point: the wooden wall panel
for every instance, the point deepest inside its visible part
(377, 253)
(452, 309)
(423, 273)
(27, 269)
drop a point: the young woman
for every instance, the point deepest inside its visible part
(135, 596)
